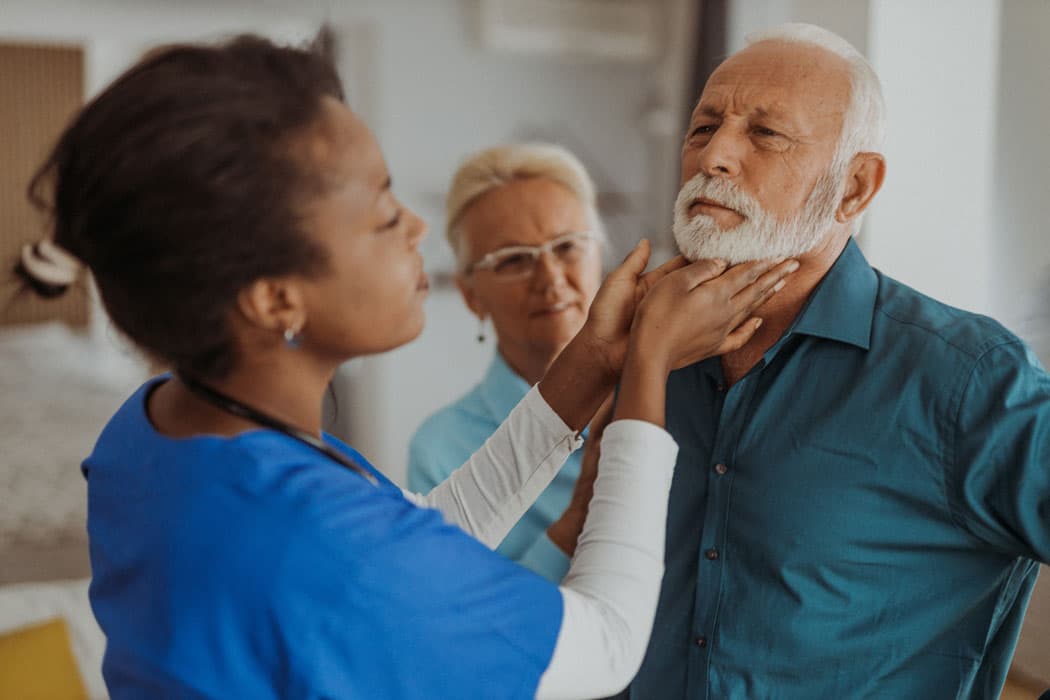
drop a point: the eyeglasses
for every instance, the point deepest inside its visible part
(518, 261)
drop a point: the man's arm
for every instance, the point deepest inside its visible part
(999, 478)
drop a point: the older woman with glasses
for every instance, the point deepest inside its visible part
(522, 222)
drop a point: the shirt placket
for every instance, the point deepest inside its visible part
(713, 557)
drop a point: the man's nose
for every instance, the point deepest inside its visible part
(720, 157)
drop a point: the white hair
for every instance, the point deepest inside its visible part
(864, 123)
(494, 167)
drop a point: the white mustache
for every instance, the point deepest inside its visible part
(724, 192)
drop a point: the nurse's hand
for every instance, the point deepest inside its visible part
(689, 315)
(589, 367)
(608, 326)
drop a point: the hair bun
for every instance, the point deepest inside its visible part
(47, 268)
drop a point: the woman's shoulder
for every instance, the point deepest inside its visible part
(465, 417)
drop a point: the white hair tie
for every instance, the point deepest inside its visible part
(49, 265)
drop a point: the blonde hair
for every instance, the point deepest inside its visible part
(492, 168)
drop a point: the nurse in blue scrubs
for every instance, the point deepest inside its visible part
(241, 226)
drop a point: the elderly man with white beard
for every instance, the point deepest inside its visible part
(862, 493)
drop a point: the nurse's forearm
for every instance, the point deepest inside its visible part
(611, 589)
(578, 381)
(643, 390)
(488, 495)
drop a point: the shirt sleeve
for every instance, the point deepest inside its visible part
(489, 494)
(611, 589)
(998, 482)
(546, 559)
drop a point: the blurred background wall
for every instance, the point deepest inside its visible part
(962, 216)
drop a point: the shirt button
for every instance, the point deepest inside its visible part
(721, 468)
(711, 554)
(721, 387)
(701, 642)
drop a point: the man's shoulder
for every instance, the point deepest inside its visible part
(905, 313)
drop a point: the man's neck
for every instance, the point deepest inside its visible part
(781, 311)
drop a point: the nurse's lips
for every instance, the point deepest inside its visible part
(424, 282)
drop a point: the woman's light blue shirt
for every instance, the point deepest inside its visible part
(449, 437)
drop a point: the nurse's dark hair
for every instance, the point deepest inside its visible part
(180, 185)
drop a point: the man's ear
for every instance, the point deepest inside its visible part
(866, 173)
(470, 297)
(273, 305)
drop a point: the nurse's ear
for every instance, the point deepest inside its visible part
(273, 305)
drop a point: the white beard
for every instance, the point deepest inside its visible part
(760, 236)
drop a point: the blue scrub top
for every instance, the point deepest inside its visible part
(254, 566)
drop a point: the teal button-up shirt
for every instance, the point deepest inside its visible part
(860, 515)
(448, 438)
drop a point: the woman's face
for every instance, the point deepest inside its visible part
(371, 297)
(535, 315)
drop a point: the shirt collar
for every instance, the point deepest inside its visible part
(843, 304)
(501, 388)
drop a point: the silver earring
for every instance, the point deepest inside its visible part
(481, 329)
(291, 338)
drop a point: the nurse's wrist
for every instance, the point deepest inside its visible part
(565, 531)
(578, 381)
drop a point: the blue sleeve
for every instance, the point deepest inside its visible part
(999, 479)
(388, 600)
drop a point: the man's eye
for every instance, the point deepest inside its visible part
(763, 131)
(704, 129)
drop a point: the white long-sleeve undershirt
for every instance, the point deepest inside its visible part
(611, 589)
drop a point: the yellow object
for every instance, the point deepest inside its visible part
(37, 663)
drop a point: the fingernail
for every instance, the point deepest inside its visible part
(779, 285)
(758, 322)
(794, 266)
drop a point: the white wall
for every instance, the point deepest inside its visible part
(1018, 231)
(931, 226)
(1021, 255)
(847, 18)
